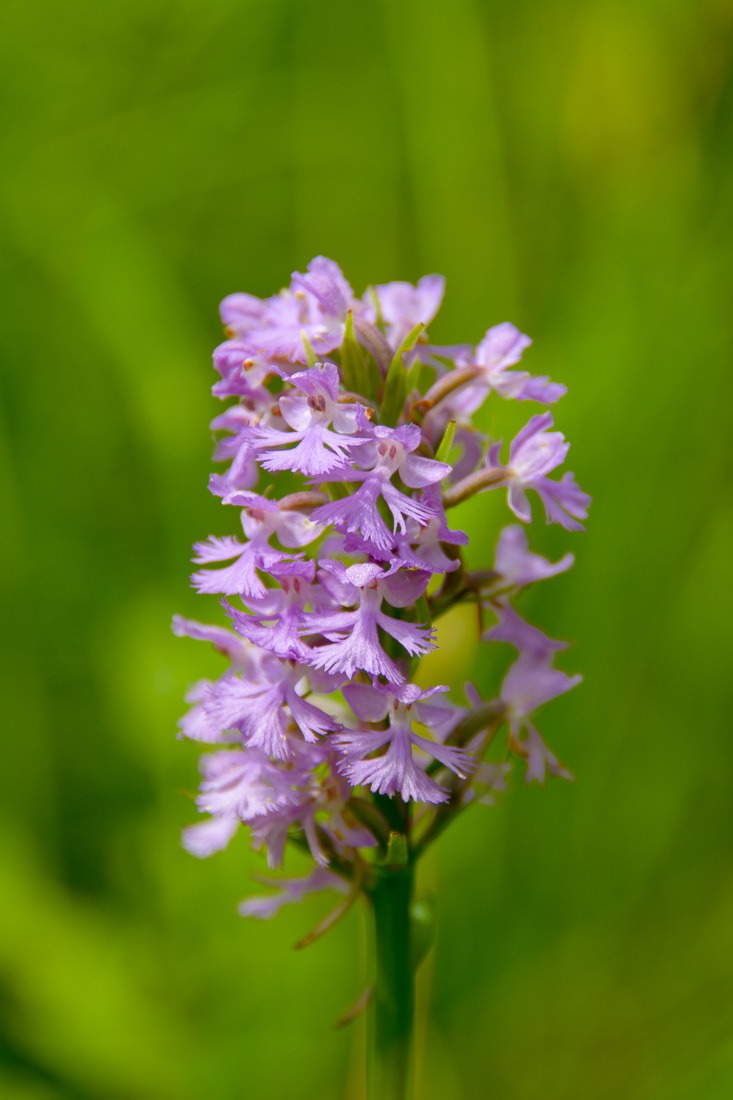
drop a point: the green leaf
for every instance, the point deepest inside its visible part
(359, 373)
(399, 381)
(353, 366)
(446, 443)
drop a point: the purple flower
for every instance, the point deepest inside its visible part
(526, 742)
(315, 307)
(246, 660)
(242, 374)
(241, 313)
(318, 807)
(403, 306)
(234, 448)
(527, 639)
(277, 619)
(319, 451)
(325, 284)
(244, 783)
(263, 707)
(530, 682)
(518, 566)
(247, 786)
(390, 452)
(459, 393)
(236, 787)
(422, 546)
(396, 770)
(533, 453)
(500, 349)
(290, 890)
(261, 520)
(354, 644)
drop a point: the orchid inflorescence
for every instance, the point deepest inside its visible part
(362, 425)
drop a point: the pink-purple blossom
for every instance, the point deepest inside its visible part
(404, 306)
(322, 428)
(533, 454)
(382, 758)
(388, 453)
(353, 644)
(499, 351)
(262, 520)
(517, 566)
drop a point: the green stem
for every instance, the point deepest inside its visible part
(394, 985)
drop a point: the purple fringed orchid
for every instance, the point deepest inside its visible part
(518, 566)
(533, 454)
(348, 438)
(319, 810)
(262, 520)
(501, 349)
(290, 890)
(388, 453)
(237, 786)
(397, 770)
(320, 449)
(530, 682)
(353, 642)
(276, 620)
(311, 313)
(404, 306)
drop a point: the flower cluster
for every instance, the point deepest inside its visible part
(350, 438)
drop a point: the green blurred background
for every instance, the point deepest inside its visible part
(567, 165)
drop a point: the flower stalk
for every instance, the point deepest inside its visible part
(393, 1003)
